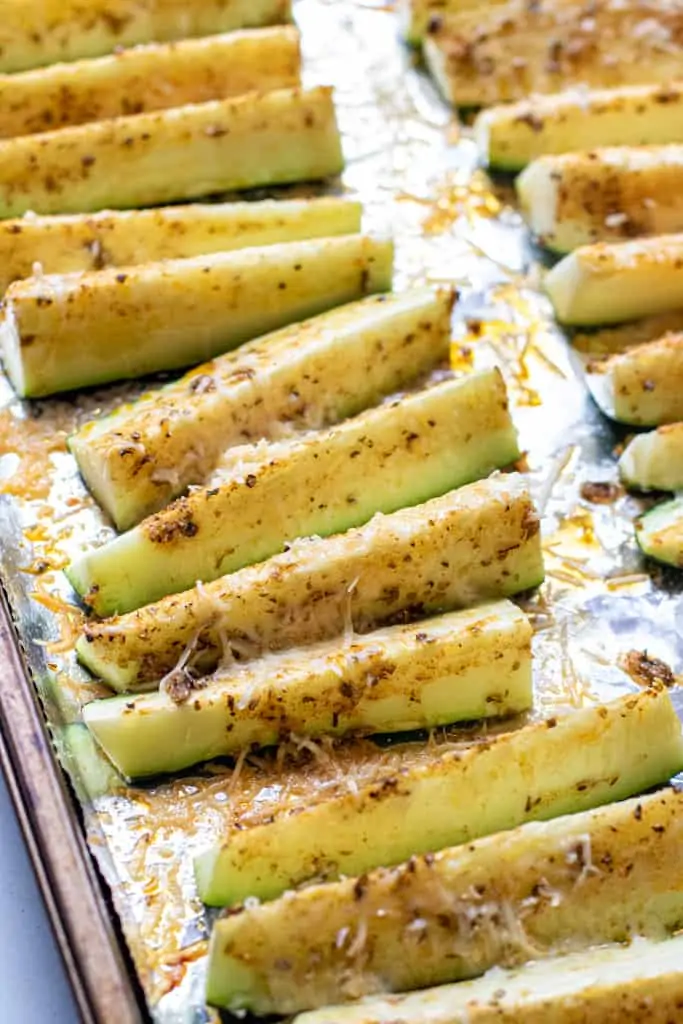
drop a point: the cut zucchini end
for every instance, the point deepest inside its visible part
(633, 471)
(560, 285)
(653, 461)
(601, 387)
(93, 471)
(117, 678)
(207, 879)
(660, 533)
(536, 190)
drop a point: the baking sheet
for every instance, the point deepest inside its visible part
(416, 171)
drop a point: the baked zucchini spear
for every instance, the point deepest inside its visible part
(642, 386)
(612, 282)
(660, 533)
(461, 666)
(146, 453)
(184, 153)
(541, 889)
(39, 32)
(121, 238)
(474, 544)
(603, 195)
(580, 760)
(511, 135)
(321, 483)
(152, 77)
(493, 54)
(654, 461)
(159, 316)
(609, 985)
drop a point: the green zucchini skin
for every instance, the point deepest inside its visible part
(398, 454)
(475, 544)
(582, 760)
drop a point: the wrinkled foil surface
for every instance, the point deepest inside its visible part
(416, 171)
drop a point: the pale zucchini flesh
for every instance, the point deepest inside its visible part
(612, 282)
(654, 461)
(174, 313)
(308, 375)
(505, 52)
(642, 386)
(609, 985)
(575, 762)
(153, 77)
(660, 533)
(38, 32)
(122, 238)
(600, 876)
(461, 666)
(399, 454)
(511, 135)
(603, 195)
(259, 139)
(475, 544)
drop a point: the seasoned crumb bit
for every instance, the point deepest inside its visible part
(646, 670)
(600, 492)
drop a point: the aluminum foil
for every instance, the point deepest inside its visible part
(416, 171)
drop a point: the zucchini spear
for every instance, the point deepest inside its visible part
(512, 135)
(38, 32)
(395, 455)
(654, 461)
(159, 316)
(642, 386)
(609, 283)
(581, 760)
(541, 889)
(493, 54)
(191, 151)
(478, 543)
(313, 374)
(610, 985)
(660, 533)
(123, 238)
(153, 77)
(599, 876)
(461, 666)
(603, 195)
